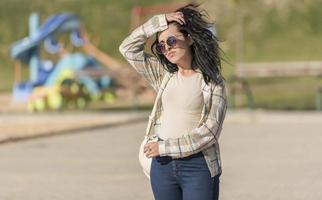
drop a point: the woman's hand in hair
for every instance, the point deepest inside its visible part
(175, 16)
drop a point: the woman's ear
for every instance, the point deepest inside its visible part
(190, 40)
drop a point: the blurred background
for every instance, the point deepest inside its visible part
(260, 31)
(61, 72)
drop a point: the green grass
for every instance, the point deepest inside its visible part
(285, 47)
(272, 35)
(282, 93)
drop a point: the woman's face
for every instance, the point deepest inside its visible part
(174, 45)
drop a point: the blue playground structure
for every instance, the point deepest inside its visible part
(73, 80)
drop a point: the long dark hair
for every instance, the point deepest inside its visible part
(205, 48)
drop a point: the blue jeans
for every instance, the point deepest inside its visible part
(183, 179)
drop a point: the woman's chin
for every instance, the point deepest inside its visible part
(173, 60)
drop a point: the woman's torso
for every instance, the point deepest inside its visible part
(182, 102)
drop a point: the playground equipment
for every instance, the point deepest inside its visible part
(76, 78)
(72, 81)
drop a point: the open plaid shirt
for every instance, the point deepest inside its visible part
(205, 136)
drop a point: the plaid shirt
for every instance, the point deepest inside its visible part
(205, 136)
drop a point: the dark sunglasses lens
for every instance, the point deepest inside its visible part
(171, 41)
(160, 48)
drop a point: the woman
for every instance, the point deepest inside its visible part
(190, 105)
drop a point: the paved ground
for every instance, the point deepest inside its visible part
(266, 156)
(95, 165)
(15, 126)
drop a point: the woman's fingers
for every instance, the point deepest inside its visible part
(177, 16)
(182, 22)
(150, 154)
(180, 17)
(146, 148)
(151, 149)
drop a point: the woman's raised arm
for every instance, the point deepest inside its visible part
(132, 48)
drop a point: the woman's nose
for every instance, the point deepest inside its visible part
(167, 47)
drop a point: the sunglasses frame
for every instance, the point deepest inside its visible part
(160, 46)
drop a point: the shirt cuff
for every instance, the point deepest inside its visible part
(163, 22)
(162, 148)
(155, 24)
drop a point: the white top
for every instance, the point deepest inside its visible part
(182, 103)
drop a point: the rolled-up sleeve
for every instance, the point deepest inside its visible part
(132, 48)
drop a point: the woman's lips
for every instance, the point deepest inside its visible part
(170, 54)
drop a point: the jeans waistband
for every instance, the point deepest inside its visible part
(196, 155)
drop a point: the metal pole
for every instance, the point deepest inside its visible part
(318, 99)
(34, 62)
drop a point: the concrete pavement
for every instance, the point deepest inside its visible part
(22, 125)
(17, 126)
(266, 156)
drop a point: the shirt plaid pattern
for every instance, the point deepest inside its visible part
(204, 137)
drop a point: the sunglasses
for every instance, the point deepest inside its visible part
(171, 42)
